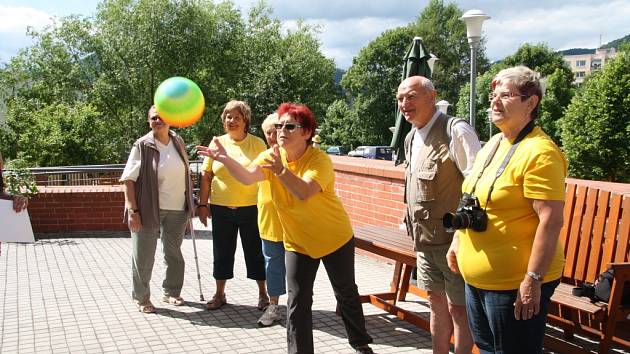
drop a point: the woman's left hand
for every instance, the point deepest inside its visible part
(527, 302)
(19, 203)
(274, 163)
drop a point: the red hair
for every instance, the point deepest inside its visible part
(301, 113)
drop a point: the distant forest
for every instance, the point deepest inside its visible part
(612, 44)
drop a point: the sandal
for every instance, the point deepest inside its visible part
(173, 300)
(216, 302)
(263, 302)
(146, 307)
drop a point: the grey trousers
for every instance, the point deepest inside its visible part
(171, 231)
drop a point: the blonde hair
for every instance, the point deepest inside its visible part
(242, 107)
(269, 121)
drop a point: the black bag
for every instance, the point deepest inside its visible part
(600, 290)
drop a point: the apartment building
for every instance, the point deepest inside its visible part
(584, 64)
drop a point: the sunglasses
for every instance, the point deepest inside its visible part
(288, 126)
(154, 118)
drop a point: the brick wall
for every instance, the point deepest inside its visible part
(371, 191)
(77, 208)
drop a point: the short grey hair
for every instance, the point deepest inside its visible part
(526, 80)
(269, 121)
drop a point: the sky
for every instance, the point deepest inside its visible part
(349, 25)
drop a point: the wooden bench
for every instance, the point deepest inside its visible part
(595, 236)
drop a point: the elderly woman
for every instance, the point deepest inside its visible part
(19, 202)
(271, 236)
(158, 204)
(232, 206)
(316, 227)
(512, 267)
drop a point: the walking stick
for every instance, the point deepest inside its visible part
(192, 235)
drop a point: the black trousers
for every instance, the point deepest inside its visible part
(301, 272)
(226, 224)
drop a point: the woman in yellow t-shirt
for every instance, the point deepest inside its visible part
(232, 205)
(512, 266)
(316, 226)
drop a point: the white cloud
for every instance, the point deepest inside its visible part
(14, 21)
(563, 27)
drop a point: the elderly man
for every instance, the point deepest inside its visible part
(440, 151)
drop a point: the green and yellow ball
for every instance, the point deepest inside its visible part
(179, 102)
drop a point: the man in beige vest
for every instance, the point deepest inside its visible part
(440, 151)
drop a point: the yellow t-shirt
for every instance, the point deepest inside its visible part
(319, 225)
(268, 221)
(497, 258)
(226, 190)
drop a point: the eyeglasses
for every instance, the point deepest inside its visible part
(504, 96)
(154, 118)
(288, 126)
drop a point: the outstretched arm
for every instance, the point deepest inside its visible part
(244, 175)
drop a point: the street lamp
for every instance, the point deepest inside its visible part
(431, 62)
(474, 20)
(443, 106)
(489, 112)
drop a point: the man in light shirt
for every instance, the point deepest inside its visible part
(440, 151)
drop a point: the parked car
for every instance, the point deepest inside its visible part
(378, 152)
(358, 152)
(336, 150)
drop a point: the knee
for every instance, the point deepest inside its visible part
(457, 311)
(438, 299)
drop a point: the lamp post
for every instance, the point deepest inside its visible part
(474, 20)
(489, 112)
(431, 62)
(443, 106)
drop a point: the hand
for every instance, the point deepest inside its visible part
(527, 302)
(214, 150)
(203, 212)
(19, 203)
(274, 162)
(451, 254)
(135, 223)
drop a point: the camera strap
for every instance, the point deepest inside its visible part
(521, 135)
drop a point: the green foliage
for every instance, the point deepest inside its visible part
(341, 125)
(371, 82)
(556, 77)
(596, 127)
(18, 180)
(83, 89)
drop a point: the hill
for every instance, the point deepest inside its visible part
(612, 44)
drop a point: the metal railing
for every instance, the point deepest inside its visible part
(91, 175)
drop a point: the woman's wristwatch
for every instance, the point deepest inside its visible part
(133, 211)
(202, 205)
(535, 276)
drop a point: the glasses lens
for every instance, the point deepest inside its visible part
(155, 118)
(288, 126)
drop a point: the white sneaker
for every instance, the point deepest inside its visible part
(271, 315)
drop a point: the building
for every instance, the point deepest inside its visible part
(584, 64)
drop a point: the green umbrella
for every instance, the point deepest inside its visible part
(416, 62)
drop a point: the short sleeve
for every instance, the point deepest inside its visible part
(320, 170)
(132, 168)
(544, 178)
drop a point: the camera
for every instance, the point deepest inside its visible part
(469, 215)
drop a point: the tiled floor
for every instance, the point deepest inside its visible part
(72, 295)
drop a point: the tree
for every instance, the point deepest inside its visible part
(106, 70)
(596, 127)
(372, 80)
(556, 77)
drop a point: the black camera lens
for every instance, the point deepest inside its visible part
(456, 221)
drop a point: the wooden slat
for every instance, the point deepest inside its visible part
(569, 203)
(611, 232)
(624, 234)
(574, 234)
(598, 235)
(584, 246)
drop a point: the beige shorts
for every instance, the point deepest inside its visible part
(435, 275)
